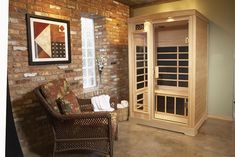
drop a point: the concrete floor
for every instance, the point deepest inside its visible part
(216, 138)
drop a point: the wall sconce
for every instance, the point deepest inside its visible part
(100, 62)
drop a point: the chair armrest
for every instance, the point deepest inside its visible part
(85, 105)
(84, 101)
(83, 125)
(85, 115)
(82, 121)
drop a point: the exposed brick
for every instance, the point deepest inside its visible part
(68, 71)
(22, 81)
(63, 66)
(111, 41)
(19, 48)
(30, 74)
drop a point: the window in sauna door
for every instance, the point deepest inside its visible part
(141, 72)
(172, 53)
(141, 67)
(141, 78)
(141, 99)
(172, 65)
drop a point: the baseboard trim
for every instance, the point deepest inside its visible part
(227, 118)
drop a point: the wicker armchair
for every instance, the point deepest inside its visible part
(84, 131)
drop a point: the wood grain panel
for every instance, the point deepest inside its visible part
(171, 37)
(201, 70)
(188, 29)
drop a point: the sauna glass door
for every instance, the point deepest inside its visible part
(172, 63)
(171, 71)
(141, 72)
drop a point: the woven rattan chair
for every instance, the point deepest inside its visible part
(84, 131)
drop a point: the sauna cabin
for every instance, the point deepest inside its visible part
(168, 70)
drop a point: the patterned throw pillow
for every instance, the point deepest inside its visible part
(68, 104)
(54, 90)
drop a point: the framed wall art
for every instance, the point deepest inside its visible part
(48, 40)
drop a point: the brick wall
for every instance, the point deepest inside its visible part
(111, 41)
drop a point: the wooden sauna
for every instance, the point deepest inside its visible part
(168, 70)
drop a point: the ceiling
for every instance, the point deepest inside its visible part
(141, 3)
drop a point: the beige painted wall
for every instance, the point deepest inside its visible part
(221, 47)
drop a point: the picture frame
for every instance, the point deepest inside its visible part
(48, 40)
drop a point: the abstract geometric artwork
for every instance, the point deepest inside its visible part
(48, 40)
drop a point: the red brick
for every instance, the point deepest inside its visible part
(111, 41)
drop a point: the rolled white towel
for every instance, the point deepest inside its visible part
(120, 106)
(95, 103)
(101, 103)
(124, 103)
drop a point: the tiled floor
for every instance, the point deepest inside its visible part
(216, 138)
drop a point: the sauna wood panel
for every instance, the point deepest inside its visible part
(189, 28)
(201, 70)
(171, 37)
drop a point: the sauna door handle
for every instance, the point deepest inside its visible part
(156, 72)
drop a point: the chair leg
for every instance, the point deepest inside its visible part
(54, 150)
(111, 148)
(116, 134)
(111, 154)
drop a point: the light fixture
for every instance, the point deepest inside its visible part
(146, 25)
(170, 19)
